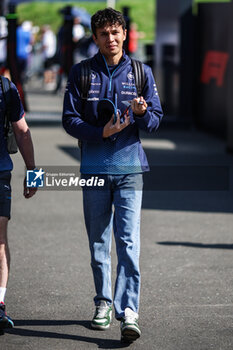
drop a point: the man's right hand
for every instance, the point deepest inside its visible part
(113, 128)
(28, 192)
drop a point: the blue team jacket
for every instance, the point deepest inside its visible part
(121, 153)
(16, 113)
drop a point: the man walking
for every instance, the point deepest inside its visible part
(112, 151)
(25, 145)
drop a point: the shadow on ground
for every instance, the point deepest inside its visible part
(198, 245)
(23, 332)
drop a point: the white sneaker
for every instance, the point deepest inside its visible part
(129, 326)
(102, 317)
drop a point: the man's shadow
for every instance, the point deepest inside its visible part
(198, 245)
(23, 332)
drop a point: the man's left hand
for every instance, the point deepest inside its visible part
(139, 106)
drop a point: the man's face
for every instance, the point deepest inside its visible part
(110, 39)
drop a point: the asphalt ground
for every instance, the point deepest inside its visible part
(186, 247)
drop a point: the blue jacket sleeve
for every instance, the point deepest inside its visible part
(72, 108)
(150, 121)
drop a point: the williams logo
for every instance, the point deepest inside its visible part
(130, 76)
(93, 75)
(35, 178)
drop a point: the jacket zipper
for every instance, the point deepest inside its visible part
(109, 74)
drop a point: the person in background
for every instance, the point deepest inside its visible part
(49, 46)
(24, 41)
(24, 141)
(78, 34)
(134, 36)
(3, 44)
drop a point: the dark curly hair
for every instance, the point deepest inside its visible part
(108, 15)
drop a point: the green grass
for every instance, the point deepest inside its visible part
(141, 12)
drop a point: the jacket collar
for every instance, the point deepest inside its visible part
(100, 59)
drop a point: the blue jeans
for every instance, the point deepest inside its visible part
(124, 192)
